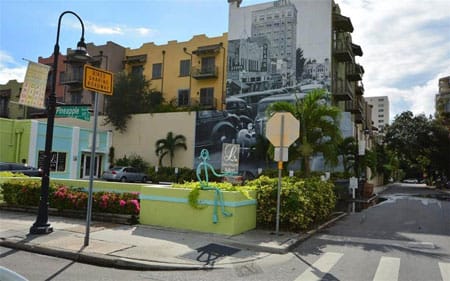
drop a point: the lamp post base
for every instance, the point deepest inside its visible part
(41, 229)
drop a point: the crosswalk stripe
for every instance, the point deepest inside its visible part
(387, 269)
(320, 268)
(445, 271)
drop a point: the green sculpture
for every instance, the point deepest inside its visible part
(204, 184)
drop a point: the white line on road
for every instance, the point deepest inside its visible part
(387, 269)
(445, 271)
(320, 268)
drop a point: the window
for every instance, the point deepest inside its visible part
(208, 65)
(207, 96)
(157, 71)
(137, 70)
(183, 97)
(380, 121)
(380, 115)
(381, 105)
(185, 67)
(57, 163)
(381, 110)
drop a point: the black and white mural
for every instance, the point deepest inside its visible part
(277, 51)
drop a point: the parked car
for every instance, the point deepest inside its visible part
(124, 174)
(20, 169)
(411, 181)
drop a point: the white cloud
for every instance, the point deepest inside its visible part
(121, 30)
(9, 69)
(406, 47)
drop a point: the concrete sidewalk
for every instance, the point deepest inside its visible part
(143, 247)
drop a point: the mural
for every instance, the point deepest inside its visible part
(277, 51)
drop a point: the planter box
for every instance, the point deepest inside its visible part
(169, 207)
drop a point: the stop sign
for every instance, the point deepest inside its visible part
(282, 126)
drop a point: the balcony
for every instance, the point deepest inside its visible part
(205, 72)
(354, 106)
(71, 79)
(354, 71)
(342, 23)
(359, 88)
(342, 90)
(357, 51)
(342, 50)
(359, 118)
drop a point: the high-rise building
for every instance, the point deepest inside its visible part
(380, 111)
(443, 101)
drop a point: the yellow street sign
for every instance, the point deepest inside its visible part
(98, 80)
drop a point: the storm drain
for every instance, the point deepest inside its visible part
(211, 253)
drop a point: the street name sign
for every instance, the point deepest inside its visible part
(79, 112)
(98, 80)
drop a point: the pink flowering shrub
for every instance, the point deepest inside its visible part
(27, 193)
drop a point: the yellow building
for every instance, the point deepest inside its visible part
(191, 73)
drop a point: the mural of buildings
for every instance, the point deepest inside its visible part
(443, 101)
(190, 73)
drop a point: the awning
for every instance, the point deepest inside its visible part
(136, 59)
(207, 50)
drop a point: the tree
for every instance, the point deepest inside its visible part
(168, 146)
(421, 144)
(300, 63)
(132, 94)
(319, 126)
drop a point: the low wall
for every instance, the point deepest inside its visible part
(162, 205)
(169, 207)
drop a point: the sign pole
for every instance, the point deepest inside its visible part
(91, 172)
(280, 168)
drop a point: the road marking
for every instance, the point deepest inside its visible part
(320, 268)
(387, 269)
(445, 271)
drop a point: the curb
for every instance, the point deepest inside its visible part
(93, 258)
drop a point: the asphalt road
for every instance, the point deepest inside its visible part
(406, 237)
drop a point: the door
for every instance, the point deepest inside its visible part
(85, 167)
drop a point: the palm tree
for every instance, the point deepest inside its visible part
(319, 126)
(168, 146)
(348, 149)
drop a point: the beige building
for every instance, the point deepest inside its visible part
(380, 111)
(188, 74)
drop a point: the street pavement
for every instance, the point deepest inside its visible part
(142, 247)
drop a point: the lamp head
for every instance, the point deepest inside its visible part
(81, 53)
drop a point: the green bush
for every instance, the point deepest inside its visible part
(135, 161)
(303, 202)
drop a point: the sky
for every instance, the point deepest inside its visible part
(406, 43)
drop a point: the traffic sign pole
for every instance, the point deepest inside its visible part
(280, 167)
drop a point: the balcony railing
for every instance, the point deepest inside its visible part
(71, 78)
(354, 106)
(342, 50)
(205, 72)
(354, 71)
(343, 90)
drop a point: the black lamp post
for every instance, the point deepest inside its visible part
(41, 225)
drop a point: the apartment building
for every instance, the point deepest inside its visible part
(380, 111)
(190, 73)
(443, 99)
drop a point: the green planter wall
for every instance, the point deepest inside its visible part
(169, 207)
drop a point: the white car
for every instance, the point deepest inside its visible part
(411, 181)
(124, 174)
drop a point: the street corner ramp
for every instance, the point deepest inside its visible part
(211, 253)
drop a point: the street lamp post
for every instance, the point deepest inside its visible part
(41, 225)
